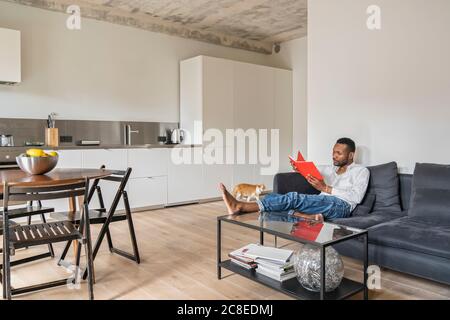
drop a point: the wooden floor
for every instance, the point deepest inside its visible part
(178, 250)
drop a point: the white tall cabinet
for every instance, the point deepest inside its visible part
(10, 64)
(224, 94)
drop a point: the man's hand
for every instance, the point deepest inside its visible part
(316, 183)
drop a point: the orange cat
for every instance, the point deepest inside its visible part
(248, 190)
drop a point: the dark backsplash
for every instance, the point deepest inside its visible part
(107, 132)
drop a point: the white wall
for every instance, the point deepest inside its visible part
(102, 72)
(293, 55)
(387, 89)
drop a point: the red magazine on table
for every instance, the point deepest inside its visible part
(307, 230)
(305, 167)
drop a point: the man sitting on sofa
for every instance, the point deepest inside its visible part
(343, 187)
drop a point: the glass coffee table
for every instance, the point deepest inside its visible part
(287, 227)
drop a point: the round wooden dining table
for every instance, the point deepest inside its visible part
(56, 176)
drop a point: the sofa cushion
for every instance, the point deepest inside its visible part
(368, 220)
(430, 197)
(431, 205)
(366, 206)
(384, 183)
(405, 189)
(410, 234)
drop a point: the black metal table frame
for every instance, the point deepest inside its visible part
(322, 247)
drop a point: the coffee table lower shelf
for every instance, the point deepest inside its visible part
(293, 288)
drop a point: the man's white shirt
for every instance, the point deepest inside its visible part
(350, 186)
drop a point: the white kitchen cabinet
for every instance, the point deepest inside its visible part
(148, 182)
(69, 159)
(206, 96)
(282, 113)
(266, 179)
(215, 173)
(10, 60)
(248, 173)
(148, 162)
(218, 92)
(146, 187)
(147, 192)
(254, 89)
(114, 159)
(243, 173)
(185, 180)
(191, 97)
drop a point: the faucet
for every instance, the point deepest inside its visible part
(128, 132)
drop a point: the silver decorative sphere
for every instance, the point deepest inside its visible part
(307, 267)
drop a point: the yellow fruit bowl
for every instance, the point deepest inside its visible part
(37, 164)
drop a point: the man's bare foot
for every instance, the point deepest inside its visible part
(314, 217)
(231, 203)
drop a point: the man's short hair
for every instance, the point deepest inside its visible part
(348, 142)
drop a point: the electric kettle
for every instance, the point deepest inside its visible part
(177, 136)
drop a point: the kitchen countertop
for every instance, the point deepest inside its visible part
(102, 146)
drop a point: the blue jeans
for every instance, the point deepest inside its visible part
(329, 206)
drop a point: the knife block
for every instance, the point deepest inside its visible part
(51, 137)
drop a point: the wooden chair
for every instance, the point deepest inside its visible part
(105, 217)
(29, 211)
(17, 236)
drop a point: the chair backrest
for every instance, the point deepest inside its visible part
(119, 176)
(27, 192)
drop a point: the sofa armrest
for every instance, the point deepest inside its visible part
(292, 181)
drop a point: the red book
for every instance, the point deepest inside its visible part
(300, 157)
(305, 167)
(307, 230)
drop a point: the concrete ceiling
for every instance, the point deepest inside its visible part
(253, 25)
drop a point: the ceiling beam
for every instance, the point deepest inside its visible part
(288, 35)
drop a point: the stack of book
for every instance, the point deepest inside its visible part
(268, 261)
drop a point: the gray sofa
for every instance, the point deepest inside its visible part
(407, 216)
